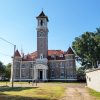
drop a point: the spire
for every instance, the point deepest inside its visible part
(42, 15)
(17, 54)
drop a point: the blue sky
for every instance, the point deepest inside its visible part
(67, 19)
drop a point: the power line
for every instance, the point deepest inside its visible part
(5, 54)
(6, 41)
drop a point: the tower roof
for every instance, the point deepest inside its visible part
(69, 51)
(17, 54)
(42, 15)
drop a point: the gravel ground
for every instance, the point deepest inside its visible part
(77, 92)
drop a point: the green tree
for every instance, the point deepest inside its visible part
(81, 74)
(8, 70)
(87, 47)
(2, 68)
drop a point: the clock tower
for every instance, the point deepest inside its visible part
(42, 36)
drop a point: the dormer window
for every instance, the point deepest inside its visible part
(52, 56)
(61, 55)
(41, 56)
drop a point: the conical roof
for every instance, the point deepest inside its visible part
(42, 15)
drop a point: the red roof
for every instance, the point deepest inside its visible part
(17, 54)
(55, 52)
(52, 55)
(27, 58)
(69, 51)
(34, 55)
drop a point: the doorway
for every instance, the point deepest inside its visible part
(41, 75)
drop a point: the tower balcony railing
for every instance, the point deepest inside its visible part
(43, 27)
(43, 60)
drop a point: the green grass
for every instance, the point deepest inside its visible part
(46, 91)
(94, 93)
(7, 82)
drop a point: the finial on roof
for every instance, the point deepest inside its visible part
(22, 53)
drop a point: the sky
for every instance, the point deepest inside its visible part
(67, 19)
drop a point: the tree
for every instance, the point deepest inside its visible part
(8, 71)
(81, 74)
(2, 68)
(87, 47)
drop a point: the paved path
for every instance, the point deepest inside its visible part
(77, 92)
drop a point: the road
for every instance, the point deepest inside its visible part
(77, 92)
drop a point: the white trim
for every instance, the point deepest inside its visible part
(28, 79)
(44, 79)
(69, 59)
(28, 61)
(40, 66)
(41, 37)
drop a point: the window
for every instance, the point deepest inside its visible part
(62, 64)
(41, 56)
(17, 64)
(17, 73)
(23, 66)
(52, 64)
(23, 73)
(52, 73)
(62, 73)
(31, 65)
(52, 56)
(41, 22)
(40, 34)
(61, 55)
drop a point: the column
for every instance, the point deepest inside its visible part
(35, 74)
(43, 75)
(20, 69)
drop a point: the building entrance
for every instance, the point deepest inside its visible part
(40, 75)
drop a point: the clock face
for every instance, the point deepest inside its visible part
(41, 34)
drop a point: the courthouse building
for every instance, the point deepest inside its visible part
(44, 64)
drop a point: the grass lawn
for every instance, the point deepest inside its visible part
(45, 91)
(94, 93)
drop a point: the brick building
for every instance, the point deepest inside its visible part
(44, 64)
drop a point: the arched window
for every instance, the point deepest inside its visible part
(41, 22)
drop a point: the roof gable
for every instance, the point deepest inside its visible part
(17, 54)
(69, 51)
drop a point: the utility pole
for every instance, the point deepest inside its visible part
(12, 76)
(12, 71)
